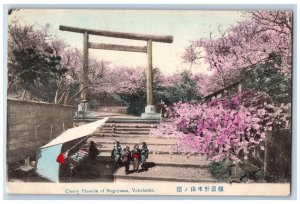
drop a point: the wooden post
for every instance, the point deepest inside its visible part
(266, 157)
(149, 74)
(85, 67)
(237, 171)
(240, 87)
(226, 166)
(51, 131)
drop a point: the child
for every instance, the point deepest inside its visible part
(144, 155)
(126, 158)
(136, 157)
(116, 153)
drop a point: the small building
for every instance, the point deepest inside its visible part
(108, 102)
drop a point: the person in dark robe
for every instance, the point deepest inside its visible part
(116, 154)
(144, 155)
(93, 151)
(126, 158)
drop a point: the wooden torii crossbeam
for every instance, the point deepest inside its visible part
(133, 36)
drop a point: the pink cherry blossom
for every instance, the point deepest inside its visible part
(222, 128)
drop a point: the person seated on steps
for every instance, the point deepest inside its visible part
(93, 151)
(136, 157)
(144, 156)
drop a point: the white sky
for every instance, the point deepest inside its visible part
(183, 25)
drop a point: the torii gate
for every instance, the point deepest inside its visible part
(150, 109)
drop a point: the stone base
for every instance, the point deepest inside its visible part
(150, 109)
(152, 116)
(83, 107)
(150, 113)
(86, 114)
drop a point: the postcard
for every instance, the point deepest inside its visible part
(149, 102)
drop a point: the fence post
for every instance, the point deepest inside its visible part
(266, 157)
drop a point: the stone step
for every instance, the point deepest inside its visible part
(131, 141)
(118, 120)
(172, 160)
(124, 132)
(129, 125)
(176, 160)
(127, 128)
(116, 135)
(166, 173)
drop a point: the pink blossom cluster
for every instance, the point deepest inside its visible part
(223, 128)
(265, 37)
(128, 80)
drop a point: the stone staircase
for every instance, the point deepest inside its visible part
(162, 166)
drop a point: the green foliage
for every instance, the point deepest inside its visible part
(33, 64)
(217, 170)
(279, 156)
(266, 78)
(94, 103)
(136, 103)
(185, 91)
(36, 72)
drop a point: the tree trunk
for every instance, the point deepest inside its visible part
(61, 97)
(23, 95)
(55, 98)
(66, 97)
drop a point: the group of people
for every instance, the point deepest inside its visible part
(125, 156)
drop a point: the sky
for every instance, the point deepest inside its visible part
(184, 26)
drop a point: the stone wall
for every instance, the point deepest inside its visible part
(30, 125)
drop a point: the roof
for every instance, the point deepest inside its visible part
(118, 98)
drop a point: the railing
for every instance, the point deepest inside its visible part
(226, 91)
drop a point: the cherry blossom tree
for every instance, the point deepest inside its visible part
(224, 128)
(33, 65)
(44, 65)
(127, 80)
(266, 37)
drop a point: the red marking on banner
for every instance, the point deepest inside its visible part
(60, 158)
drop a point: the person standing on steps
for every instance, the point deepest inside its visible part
(144, 155)
(136, 157)
(116, 153)
(113, 128)
(126, 158)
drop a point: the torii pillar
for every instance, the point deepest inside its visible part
(150, 112)
(150, 102)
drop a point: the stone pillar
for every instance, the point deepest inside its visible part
(150, 112)
(150, 104)
(85, 67)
